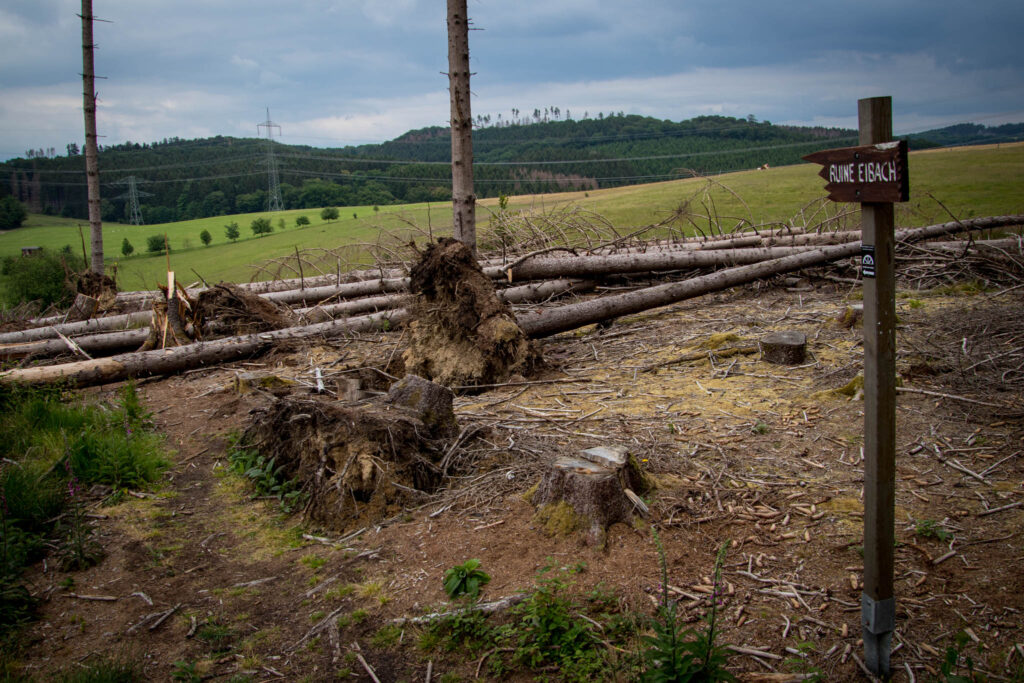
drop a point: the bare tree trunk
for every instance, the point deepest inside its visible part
(92, 164)
(463, 199)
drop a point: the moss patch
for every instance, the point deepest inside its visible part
(557, 519)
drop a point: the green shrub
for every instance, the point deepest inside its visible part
(205, 237)
(301, 220)
(261, 226)
(156, 243)
(12, 213)
(231, 231)
(126, 247)
(42, 278)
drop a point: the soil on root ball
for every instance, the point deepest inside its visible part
(462, 334)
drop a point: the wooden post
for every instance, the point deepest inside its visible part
(878, 603)
(92, 165)
(463, 198)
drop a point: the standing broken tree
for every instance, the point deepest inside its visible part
(463, 199)
(92, 164)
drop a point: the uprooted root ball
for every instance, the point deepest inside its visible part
(462, 334)
(359, 465)
(227, 308)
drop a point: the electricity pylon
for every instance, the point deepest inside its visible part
(132, 195)
(274, 202)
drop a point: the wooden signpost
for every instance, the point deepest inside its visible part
(875, 174)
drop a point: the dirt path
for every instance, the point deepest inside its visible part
(742, 450)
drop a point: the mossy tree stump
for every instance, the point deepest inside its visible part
(588, 491)
(784, 348)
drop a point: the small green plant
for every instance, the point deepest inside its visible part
(465, 628)
(205, 237)
(117, 669)
(301, 220)
(465, 579)
(80, 550)
(314, 562)
(760, 428)
(929, 528)
(231, 231)
(185, 672)
(670, 656)
(386, 636)
(950, 667)
(261, 226)
(357, 617)
(126, 248)
(267, 478)
(329, 214)
(218, 637)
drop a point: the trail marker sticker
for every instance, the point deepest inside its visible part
(867, 260)
(872, 173)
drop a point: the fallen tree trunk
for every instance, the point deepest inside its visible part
(564, 318)
(591, 266)
(102, 344)
(165, 361)
(106, 324)
(536, 324)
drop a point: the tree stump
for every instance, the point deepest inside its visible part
(83, 308)
(784, 348)
(588, 491)
(431, 402)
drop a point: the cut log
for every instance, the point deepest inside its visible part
(588, 492)
(784, 348)
(431, 403)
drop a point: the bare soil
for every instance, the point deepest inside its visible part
(764, 456)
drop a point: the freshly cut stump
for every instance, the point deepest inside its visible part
(588, 491)
(462, 334)
(784, 348)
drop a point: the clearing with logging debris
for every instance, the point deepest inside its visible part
(201, 577)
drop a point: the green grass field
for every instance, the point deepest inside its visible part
(976, 181)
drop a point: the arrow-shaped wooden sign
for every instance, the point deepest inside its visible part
(873, 173)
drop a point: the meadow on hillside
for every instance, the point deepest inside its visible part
(957, 182)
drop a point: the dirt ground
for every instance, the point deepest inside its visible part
(765, 456)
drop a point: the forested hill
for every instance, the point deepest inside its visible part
(183, 179)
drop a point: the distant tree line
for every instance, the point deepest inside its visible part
(545, 150)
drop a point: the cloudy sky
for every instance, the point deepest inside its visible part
(338, 72)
